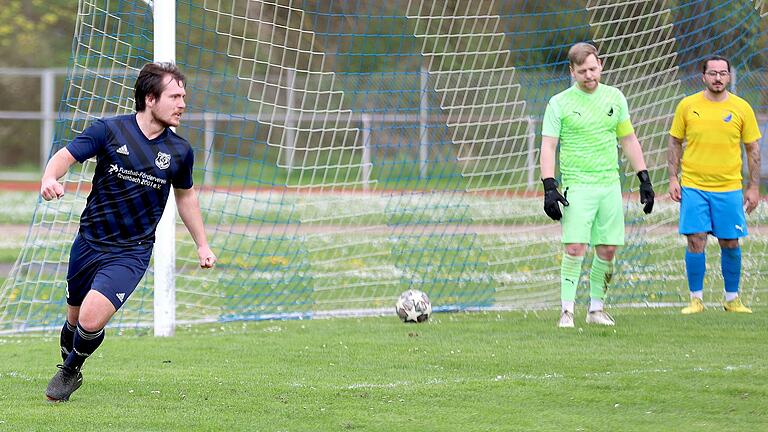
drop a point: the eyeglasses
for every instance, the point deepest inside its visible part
(714, 74)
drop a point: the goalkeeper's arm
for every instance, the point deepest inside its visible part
(552, 197)
(631, 147)
(547, 156)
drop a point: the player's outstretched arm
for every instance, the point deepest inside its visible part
(634, 153)
(189, 210)
(752, 194)
(50, 187)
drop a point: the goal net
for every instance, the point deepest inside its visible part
(349, 150)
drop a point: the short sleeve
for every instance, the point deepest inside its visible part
(678, 122)
(550, 125)
(751, 131)
(624, 109)
(624, 128)
(87, 144)
(183, 178)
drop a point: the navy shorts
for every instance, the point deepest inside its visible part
(113, 274)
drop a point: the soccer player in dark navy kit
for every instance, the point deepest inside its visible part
(139, 158)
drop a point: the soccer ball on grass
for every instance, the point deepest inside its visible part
(413, 306)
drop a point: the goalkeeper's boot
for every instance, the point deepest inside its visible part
(566, 320)
(600, 317)
(736, 305)
(696, 306)
(63, 384)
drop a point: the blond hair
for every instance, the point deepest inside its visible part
(579, 52)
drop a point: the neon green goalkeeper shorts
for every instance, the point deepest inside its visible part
(595, 215)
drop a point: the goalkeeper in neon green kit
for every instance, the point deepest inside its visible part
(586, 120)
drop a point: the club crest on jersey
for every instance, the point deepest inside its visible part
(163, 160)
(728, 118)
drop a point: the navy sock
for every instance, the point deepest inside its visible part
(66, 339)
(730, 263)
(695, 267)
(85, 343)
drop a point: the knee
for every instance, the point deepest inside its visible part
(606, 253)
(697, 243)
(93, 319)
(95, 312)
(728, 243)
(89, 324)
(575, 249)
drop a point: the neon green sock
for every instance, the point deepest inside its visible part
(570, 270)
(599, 277)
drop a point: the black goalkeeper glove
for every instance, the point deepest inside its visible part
(552, 197)
(646, 191)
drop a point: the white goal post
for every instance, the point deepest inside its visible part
(164, 13)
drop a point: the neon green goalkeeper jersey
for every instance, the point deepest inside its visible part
(587, 126)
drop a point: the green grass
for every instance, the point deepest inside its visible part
(8, 255)
(17, 207)
(656, 370)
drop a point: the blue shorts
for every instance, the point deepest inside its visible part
(718, 213)
(113, 274)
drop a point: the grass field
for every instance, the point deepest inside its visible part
(656, 370)
(482, 371)
(506, 371)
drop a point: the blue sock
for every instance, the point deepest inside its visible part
(83, 346)
(730, 263)
(695, 267)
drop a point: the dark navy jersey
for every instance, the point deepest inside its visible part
(132, 180)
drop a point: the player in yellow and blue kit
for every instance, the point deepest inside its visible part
(714, 123)
(587, 121)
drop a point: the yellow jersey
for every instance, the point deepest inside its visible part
(714, 132)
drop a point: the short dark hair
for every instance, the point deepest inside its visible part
(706, 61)
(151, 81)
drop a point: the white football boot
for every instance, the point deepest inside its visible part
(566, 320)
(600, 317)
